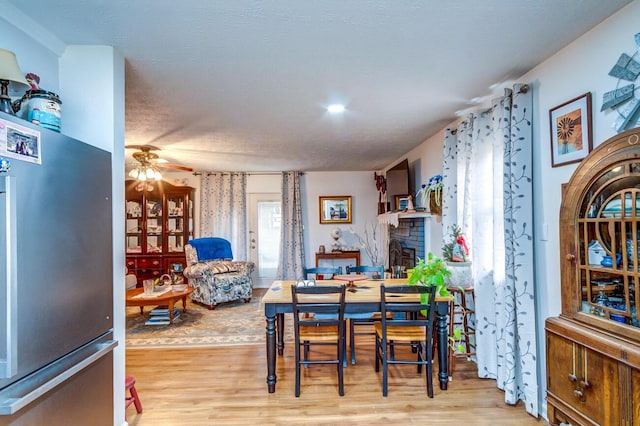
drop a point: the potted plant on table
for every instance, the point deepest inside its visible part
(434, 272)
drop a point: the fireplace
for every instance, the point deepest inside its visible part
(409, 237)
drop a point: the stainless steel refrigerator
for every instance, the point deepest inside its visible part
(56, 278)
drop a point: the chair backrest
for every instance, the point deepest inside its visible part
(318, 299)
(366, 269)
(324, 271)
(418, 312)
(212, 248)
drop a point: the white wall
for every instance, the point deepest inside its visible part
(364, 203)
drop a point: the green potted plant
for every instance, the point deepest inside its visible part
(434, 272)
(431, 272)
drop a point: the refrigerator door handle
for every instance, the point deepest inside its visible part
(25, 391)
(8, 279)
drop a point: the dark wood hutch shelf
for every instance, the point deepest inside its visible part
(158, 225)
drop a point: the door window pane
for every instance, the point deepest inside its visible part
(268, 238)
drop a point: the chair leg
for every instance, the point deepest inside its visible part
(385, 368)
(297, 380)
(306, 353)
(352, 341)
(341, 357)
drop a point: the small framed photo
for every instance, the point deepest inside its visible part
(570, 125)
(335, 209)
(401, 201)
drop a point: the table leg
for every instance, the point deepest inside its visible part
(442, 311)
(184, 303)
(141, 310)
(280, 329)
(271, 353)
(171, 305)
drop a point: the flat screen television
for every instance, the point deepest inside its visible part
(398, 183)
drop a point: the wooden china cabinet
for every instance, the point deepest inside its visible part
(159, 223)
(593, 347)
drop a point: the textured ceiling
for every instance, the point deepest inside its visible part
(243, 85)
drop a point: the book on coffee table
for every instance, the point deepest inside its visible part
(160, 316)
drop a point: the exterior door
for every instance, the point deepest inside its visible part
(264, 236)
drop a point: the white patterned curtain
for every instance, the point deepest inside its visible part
(487, 176)
(291, 259)
(223, 209)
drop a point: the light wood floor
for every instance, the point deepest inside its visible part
(227, 386)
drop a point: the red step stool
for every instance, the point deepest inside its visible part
(130, 385)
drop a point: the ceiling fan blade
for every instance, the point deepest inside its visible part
(175, 167)
(143, 147)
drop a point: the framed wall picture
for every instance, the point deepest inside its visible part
(335, 209)
(570, 125)
(401, 201)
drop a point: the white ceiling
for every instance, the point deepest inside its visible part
(243, 84)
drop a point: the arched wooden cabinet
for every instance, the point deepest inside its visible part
(159, 223)
(593, 347)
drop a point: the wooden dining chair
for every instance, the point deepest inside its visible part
(324, 271)
(362, 319)
(411, 326)
(318, 330)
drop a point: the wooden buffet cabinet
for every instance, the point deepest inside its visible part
(593, 347)
(159, 223)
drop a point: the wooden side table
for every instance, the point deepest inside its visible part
(333, 255)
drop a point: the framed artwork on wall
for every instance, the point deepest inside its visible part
(401, 202)
(335, 209)
(570, 125)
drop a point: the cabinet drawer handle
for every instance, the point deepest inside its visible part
(578, 393)
(570, 257)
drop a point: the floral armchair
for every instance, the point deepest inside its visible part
(216, 278)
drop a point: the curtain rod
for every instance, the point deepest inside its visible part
(523, 89)
(247, 173)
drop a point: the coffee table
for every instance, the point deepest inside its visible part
(135, 297)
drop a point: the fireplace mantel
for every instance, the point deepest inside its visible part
(392, 218)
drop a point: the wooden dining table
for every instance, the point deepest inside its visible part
(363, 296)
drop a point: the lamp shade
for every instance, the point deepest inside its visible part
(10, 71)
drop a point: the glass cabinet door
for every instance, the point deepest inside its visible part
(176, 210)
(134, 225)
(608, 246)
(154, 214)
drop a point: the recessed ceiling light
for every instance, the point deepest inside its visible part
(335, 108)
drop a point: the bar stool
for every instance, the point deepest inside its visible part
(130, 385)
(460, 312)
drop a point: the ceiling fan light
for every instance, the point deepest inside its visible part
(150, 173)
(134, 173)
(142, 177)
(157, 176)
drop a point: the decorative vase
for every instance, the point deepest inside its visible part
(460, 275)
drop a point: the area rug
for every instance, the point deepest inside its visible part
(232, 323)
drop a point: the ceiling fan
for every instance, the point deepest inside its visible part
(148, 166)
